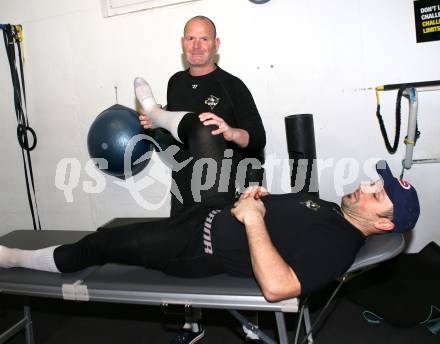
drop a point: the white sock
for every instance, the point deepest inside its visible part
(168, 120)
(5, 257)
(42, 259)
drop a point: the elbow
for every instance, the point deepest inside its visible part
(277, 293)
(260, 144)
(272, 297)
(262, 141)
(257, 142)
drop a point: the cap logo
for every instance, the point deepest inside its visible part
(404, 184)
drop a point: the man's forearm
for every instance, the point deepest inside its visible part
(275, 277)
(240, 137)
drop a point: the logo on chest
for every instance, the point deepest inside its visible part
(212, 101)
(311, 205)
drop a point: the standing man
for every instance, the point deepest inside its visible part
(223, 102)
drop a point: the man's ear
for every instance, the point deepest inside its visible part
(384, 224)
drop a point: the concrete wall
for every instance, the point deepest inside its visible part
(320, 57)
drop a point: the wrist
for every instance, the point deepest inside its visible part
(253, 219)
(240, 137)
(233, 135)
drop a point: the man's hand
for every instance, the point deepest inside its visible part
(248, 209)
(145, 120)
(208, 118)
(254, 192)
(236, 135)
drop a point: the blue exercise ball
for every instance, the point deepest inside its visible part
(112, 134)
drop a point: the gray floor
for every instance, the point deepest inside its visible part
(65, 322)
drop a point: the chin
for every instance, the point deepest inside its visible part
(197, 65)
(345, 198)
(346, 202)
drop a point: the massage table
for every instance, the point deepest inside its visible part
(115, 283)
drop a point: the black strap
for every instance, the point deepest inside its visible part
(11, 35)
(391, 149)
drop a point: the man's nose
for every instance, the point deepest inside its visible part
(197, 43)
(366, 189)
(370, 188)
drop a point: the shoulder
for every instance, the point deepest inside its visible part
(221, 74)
(176, 82)
(181, 75)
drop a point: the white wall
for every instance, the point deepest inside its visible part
(296, 57)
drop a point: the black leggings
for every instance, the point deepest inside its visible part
(194, 178)
(173, 245)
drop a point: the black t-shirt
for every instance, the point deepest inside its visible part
(221, 93)
(310, 234)
(226, 96)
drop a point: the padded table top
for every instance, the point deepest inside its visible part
(19, 281)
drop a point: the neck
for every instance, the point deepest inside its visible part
(200, 71)
(358, 223)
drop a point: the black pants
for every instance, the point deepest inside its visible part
(173, 245)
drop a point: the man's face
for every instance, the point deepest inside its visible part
(368, 201)
(199, 44)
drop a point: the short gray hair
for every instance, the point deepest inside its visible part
(204, 18)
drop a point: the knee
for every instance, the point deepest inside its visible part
(203, 133)
(191, 129)
(199, 136)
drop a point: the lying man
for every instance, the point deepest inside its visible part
(292, 244)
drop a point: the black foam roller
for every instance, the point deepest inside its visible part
(301, 147)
